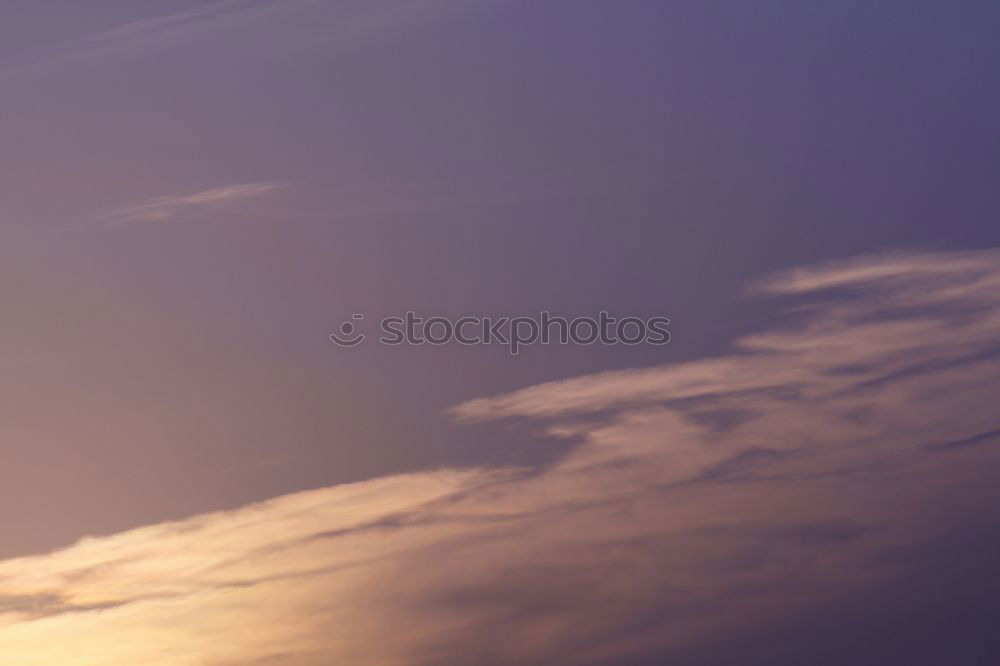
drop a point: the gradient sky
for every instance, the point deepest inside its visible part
(194, 194)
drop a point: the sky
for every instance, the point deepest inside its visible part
(195, 193)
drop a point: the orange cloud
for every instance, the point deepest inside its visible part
(702, 498)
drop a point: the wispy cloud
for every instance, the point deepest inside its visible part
(166, 208)
(703, 498)
(141, 32)
(159, 25)
(288, 22)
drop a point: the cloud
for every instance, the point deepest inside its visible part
(702, 500)
(877, 330)
(279, 23)
(136, 34)
(166, 208)
(138, 30)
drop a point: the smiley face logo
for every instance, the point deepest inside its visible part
(349, 335)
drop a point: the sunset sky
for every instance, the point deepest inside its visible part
(196, 193)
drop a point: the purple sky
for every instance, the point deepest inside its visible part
(194, 194)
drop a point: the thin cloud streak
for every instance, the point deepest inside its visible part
(345, 23)
(142, 32)
(703, 499)
(166, 208)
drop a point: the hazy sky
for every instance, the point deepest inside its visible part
(194, 194)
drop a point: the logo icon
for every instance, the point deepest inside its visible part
(349, 335)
